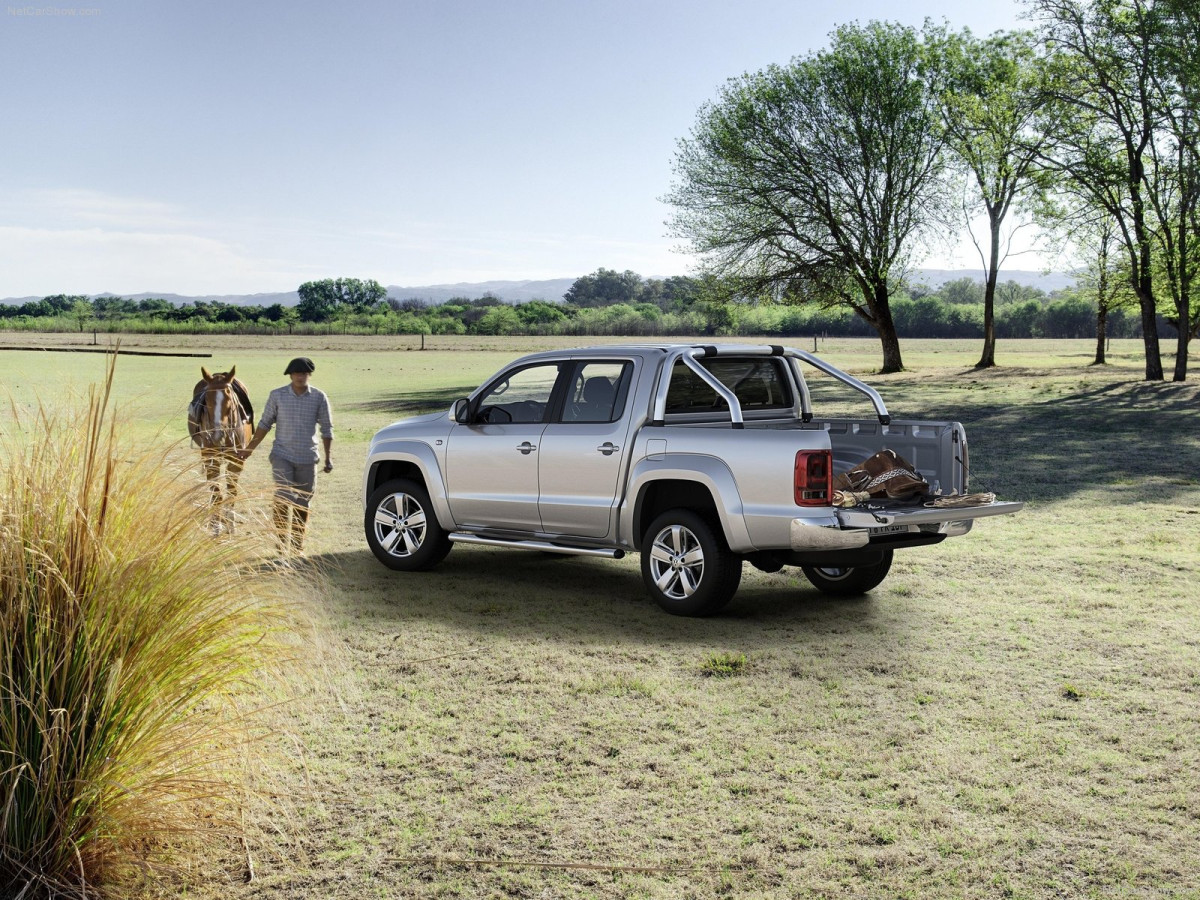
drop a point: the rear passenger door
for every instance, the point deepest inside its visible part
(583, 450)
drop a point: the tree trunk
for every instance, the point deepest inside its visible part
(988, 359)
(1181, 354)
(1102, 302)
(1184, 327)
(1101, 333)
(1143, 283)
(1154, 369)
(891, 348)
(885, 326)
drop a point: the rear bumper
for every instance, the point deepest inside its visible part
(825, 534)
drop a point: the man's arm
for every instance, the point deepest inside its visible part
(325, 421)
(264, 428)
(260, 434)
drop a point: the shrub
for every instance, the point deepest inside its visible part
(128, 638)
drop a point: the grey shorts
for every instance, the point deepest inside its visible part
(294, 482)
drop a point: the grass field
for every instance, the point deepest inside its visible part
(1014, 713)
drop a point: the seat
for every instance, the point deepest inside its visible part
(598, 397)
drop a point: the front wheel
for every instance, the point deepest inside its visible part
(402, 528)
(849, 581)
(686, 566)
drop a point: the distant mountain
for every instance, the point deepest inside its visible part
(288, 298)
(510, 291)
(1047, 281)
(551, 289)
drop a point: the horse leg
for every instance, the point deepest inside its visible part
(233, 471)
(212, 474)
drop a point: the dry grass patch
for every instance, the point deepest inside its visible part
(134, 649)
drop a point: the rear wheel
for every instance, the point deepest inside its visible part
(402, 528)
(686, 566)
(849, 581)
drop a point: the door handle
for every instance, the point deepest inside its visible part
(526, 447)
(608, 448)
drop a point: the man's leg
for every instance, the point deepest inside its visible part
(305, 480)
(299, 522)
(281, 473)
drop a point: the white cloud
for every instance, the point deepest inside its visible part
(88, 242)
(41, 261)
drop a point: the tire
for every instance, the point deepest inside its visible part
(402, 529)
(849, 582)
(686, 565)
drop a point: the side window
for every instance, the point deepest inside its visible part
(758, 383)
(597, 392)
(522, 396)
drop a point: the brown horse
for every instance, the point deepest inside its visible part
(221, 422)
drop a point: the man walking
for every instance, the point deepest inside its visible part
(296, 410)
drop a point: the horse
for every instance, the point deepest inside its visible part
(221, 422)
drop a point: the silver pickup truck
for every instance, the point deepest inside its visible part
(697, 457)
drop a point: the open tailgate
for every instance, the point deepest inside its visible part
(865, 517)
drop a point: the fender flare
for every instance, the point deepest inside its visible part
(421, 455)
(708, 472)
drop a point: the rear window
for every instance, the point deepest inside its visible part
(757, 382)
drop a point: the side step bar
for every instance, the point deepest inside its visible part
(462, 537)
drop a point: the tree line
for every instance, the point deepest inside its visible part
(820, 180)
(605, 302)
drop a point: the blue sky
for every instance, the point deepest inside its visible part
(219, 147)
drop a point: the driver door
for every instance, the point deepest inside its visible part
(492, 463)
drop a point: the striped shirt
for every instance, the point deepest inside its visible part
(297, 417)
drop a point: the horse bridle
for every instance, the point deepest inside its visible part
(234, 437)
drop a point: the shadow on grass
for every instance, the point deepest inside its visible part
(519, 593)
(1108, 436)
(411, 403)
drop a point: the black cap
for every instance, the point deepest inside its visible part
(300, 364)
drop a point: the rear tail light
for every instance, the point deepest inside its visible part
(813, 480)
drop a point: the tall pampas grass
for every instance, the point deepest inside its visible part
(131, 644)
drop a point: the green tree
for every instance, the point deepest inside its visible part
(679, 292)
(360, 295)
(604, 287)
(64, 304)
(993, 95)
(539, 312)
(81, 311)
(318, 300)
(498, 320)
(962, 290)
(1092, 237)
(155, 307)
(813, 180)
(1014, 292)
(113, 307)
(321, 300)
(1176, 199)
(1126, 71)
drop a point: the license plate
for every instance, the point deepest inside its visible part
(888, 529)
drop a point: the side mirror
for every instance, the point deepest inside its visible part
(462, 411)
